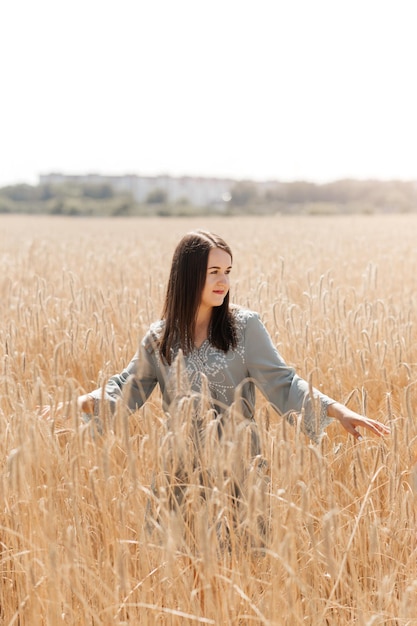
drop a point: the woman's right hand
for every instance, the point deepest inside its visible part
(47, 411)
(85, 403)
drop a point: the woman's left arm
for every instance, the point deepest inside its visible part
(290, 393)
(351, 421)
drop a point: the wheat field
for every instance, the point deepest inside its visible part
(321, 535)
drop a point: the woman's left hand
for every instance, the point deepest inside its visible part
(351, 420)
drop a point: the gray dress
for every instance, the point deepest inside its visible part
(230, 378)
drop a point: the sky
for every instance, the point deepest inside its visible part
(284, 90)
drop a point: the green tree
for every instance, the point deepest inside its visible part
(244, 193)
(98, 191)
(157, 196)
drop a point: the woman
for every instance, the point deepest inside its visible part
(204, 346)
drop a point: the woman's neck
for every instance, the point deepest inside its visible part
(202, 326)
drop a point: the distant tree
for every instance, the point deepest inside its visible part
(98, 191)
(182, 201)
(20, 193)
(244, 193)
(301, 191)
(57, 207)
(45, 192)
(6, 206)
(157, 196)
(122, 209)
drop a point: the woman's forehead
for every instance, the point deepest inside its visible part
(219, 258)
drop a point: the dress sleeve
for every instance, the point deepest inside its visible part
(283, 388)
(134, 384)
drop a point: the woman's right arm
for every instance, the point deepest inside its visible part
(133, 385)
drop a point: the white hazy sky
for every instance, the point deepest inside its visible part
(262, 89)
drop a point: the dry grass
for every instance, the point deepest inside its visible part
(324, 535)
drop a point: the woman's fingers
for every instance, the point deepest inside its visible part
(48, 411)
(44, 411)
(62, 410)
(377, 428)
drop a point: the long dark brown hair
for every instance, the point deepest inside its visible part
(183, 296)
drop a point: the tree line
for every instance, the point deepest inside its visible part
(246, 197)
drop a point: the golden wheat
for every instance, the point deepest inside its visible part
(91, 530)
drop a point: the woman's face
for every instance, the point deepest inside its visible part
(217, 282)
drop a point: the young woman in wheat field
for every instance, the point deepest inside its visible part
(205, 346)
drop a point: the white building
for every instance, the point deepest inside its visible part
(198, 191)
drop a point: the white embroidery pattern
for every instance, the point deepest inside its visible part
(208, 361)
(214, 363)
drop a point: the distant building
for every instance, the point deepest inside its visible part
(199, 191)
